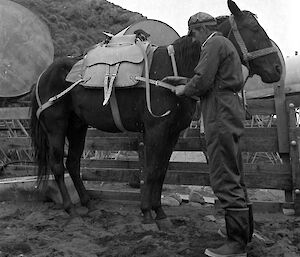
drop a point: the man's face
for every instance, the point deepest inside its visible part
(198, 35)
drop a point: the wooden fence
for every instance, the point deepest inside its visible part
(283, 175)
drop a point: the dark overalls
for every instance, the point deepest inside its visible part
(218, 79)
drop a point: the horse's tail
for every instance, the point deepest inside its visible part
(39, 141)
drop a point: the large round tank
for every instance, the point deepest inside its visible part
(292, 70)
(161, 34)
(26, 49)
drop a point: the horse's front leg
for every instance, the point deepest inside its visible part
(146, 184)
(157, 152)
(162, 163)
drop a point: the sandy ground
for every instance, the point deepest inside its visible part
(32, 227)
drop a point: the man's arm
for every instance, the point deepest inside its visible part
(206, 69)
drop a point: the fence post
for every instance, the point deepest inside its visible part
(282, 125)
(141, 152)
(294, 154)
(281, 117)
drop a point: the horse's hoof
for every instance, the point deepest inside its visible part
(91, 205)
(94, 213)
(165, 225)
(147, 217)
(92, 210)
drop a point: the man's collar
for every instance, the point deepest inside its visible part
(209, 37)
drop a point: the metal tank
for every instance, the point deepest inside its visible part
(26, 49)
(292, 77)
(161, 34)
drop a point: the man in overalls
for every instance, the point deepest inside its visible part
(218, 79)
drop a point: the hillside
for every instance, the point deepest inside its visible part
(76, 25)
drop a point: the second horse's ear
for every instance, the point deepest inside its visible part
(234, 9)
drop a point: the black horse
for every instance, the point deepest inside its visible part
(70, 116)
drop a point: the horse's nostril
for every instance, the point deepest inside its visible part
(278, 68)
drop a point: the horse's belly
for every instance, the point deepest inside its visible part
(89, 108)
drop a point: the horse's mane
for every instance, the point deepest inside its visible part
(220, 19)
(187, 53)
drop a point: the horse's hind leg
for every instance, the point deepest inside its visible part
(56, 156)
(76, 138)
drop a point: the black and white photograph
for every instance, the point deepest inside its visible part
(149, 128)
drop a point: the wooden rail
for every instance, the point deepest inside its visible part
(283, 176)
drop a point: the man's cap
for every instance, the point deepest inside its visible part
(201, 18)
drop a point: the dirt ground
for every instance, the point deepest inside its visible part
(31, 227)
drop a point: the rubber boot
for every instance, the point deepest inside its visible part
(222, 230)
(237, 227)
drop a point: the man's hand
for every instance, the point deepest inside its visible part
(179, 90)
(175, 80)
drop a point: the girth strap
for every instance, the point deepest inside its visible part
(115, 111)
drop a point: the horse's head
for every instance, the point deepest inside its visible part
(253, 44)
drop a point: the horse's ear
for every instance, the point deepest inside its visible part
(234, 9)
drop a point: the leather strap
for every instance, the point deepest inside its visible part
(247, 56)
(115, 111)
(171, 53)
(107, 92)
(105, 82)
(148, 93)
(53, 99)
(162, 84)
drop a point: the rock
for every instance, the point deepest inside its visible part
(262, 238)
(177, 197)
(288, 212)
(196, 197)
(184, 197)
(169, 201)
(196, 205)
(221, 221)
(210, 200)
(210, 218)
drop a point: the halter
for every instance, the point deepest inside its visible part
(247, 56)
